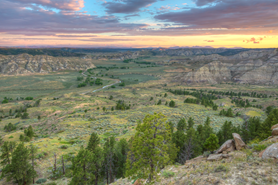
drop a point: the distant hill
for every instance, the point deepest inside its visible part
(39, 51)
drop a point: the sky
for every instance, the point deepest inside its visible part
(139, 23)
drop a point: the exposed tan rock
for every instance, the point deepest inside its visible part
(271, 152)
(27, 64)
(274, 126)
(275, 132)
(238, 141)
(215, 157)
(228, 146)
(213, 73)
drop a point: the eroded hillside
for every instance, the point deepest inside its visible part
(25, 63)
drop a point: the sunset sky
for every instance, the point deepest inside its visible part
(139, 23)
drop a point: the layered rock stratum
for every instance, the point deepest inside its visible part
(25, 64)
(250, 67)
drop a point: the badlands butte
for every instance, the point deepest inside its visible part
(212, 66)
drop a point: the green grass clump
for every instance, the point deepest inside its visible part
(167, 174)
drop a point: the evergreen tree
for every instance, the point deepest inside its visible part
(181, 124)
(150, 145)
(109, 162)
(212, 143)
(191, 147)
(121, 151)
(226, 131)
(95, 149)
(83, 168)
(20, 169)
(190, 123)
(251, 129)
(265, 128)
(229, 113)
(172, 103)
(33, 151)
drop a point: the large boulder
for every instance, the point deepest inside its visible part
(271, 152)
(228, 146)
(215, 157)
(238, 141)
(274, 126)
(275, 132)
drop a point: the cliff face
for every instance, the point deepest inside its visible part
(252, 67)
(24, 63)
(213, 73)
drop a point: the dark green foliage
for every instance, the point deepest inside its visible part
(204, 132)
(98, 81)
(121, 105)
(151, 98)
(151, 148)
(165, 95)
(122, 84)
(172, 103)
(10, 127)
(159, 102)
(82, 85)
(80, 78)
(121, 151)
(41, 181)
(28, 134)
(228, 113)
(29, 98)
(5, 101)
(82, 166)
(109, 162)
(182, 125)
(96, 151)
(269, 109)
(265, 128)
(25, 115)
(20, 169)
(190, 123)
(250, 130)
(212, 143)
(225, 133)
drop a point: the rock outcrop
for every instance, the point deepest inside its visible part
(250, 67)
(228, 146)
(217, 157)
(25, 63)
(275, 132)
(213, 73)
(238, 141)
(271, 152)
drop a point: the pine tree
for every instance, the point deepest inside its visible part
(20, 168)
(95, 149)
(191, 147)
(83, 168)
(109, 163)
(190, 123)
(212, 143)
(33, 151)
(265, 128)
(121, 151)
(150, 145)
(182, 125)
(172, 103)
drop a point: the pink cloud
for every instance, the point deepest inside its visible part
(69, 5)
(254, 40)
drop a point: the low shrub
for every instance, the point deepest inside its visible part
(221, 168)
(40, 181)
(167, 174)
